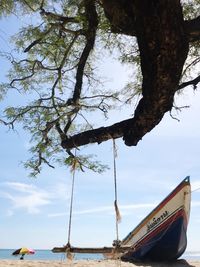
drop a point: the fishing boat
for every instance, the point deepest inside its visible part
(161, 235)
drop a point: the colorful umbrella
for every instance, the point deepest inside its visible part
(23, 251)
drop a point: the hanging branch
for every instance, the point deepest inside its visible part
(90, 34)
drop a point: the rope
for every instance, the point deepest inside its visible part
(197, 189)
(72, 199)
(117, 213)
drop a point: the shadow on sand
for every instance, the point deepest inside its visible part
(177, 263)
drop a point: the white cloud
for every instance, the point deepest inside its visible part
(30, 197)
(123, 209)
(60, 191)
(24, 196)
(60, 214)
(86, 211)
(138, 206)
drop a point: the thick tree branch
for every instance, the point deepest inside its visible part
(163, 46)
(118, 13)
(121, 18)
(193, 29)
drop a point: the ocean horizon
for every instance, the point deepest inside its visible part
(47, 254)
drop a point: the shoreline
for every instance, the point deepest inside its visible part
(95, 263)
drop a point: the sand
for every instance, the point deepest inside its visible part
(92, 263)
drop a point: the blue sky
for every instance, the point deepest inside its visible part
(34, 212)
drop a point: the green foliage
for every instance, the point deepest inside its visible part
(191, 8)
(46, 68)
(6, 7)
(82, 162)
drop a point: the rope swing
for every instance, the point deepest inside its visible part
(117, 213)
(116, 248)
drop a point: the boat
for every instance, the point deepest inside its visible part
(161, 235)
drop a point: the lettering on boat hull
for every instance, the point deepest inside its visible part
(156, 221)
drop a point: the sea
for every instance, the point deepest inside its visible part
(41, 254)
(44, 254)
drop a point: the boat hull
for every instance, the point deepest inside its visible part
(161, 236)
(165, 245)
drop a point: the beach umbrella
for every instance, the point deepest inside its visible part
(23, 251)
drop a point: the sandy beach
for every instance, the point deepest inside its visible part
(93, 263)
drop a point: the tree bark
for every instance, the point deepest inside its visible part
(163, 45)
(192, 28)
(163, 49)
(122, 21)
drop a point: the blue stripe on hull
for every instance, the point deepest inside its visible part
(169, 244)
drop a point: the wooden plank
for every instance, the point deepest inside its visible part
(91, 250)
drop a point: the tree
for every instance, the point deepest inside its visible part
(159, 38)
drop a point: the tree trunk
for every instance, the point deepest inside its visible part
(163, 49)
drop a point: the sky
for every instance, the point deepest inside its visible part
(34, 212)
